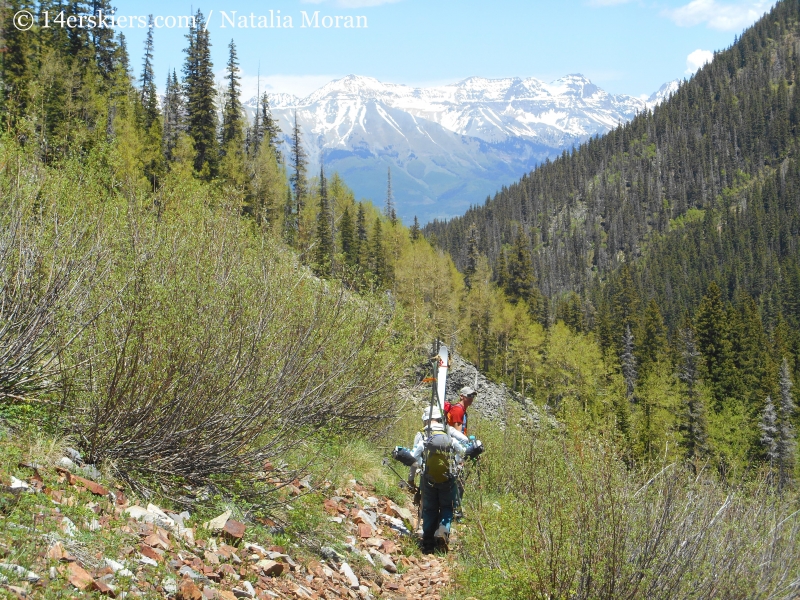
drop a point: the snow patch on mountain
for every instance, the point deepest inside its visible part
(451, 145)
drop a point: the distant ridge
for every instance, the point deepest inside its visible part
(449, 146)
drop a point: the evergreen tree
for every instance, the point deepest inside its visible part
(628, 362)
(149, 95)
(472, 255)
(415, 231)
(17, 66)
(653, 343)
(786, 444)
(769, 433)
(324, 242)
(362, 247)
(502, 270)
(520, 270)
(103, 40)
(714, 344)
(624, 304)
(201, 112)
(289, 219)
(269, 127)
(299, 164)
(347, 239)
(378, 254)
(693, 427)
(232, 122)
(391, 213)
(174, 115)
(232, 139)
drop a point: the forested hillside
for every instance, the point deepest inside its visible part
(720, 157)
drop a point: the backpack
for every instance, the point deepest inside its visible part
(439, 464)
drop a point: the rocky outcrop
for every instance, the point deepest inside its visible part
(493, 399)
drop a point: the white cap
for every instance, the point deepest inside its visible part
(431, 412)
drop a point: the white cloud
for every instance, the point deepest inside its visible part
(719, 15)
(697, 59)
(355, 3)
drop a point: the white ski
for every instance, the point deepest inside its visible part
(441, 375)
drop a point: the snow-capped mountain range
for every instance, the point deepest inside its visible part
(448, 146)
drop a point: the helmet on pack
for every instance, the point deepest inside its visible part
(432, 413)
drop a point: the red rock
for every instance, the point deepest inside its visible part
(389, 546)
(234, 529)
(103, 589)
(270, 568)
(79, 577)
(150, 553)
(95, 488)
(331, 507)
(56, 551)
(364, 530)
(187, 590)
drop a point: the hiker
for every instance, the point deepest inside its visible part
(442, 448)
(457, 413)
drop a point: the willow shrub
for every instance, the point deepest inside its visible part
(561, 516)
(204, 349)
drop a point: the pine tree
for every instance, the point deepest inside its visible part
(391, 213)
(16, 63)
(415, 231)
(347, 239)
(713, 342)
(694, 420)
(628, 362)
(520, 270)
(472, 255)
(624, 304)
(103, 40)
(174, 116)
(786, 444)
(232, 131)
(324, 245)
(502, 270)
(149, 95)
(769, 433)
(269, 127)
(289, 219)
(653, 343)
(378, 255)
(201, 112)
(299, 163)
(362, 247)
(232, 165)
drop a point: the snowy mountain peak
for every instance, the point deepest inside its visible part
(663, 93)
(452, 143)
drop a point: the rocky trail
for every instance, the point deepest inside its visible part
(120, 549)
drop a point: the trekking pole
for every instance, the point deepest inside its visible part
(403, 482)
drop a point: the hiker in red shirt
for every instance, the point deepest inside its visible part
(457, 413)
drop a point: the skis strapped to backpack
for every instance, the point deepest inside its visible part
(438, 456)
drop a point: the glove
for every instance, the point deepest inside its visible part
(475, 450)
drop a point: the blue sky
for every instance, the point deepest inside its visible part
(624, 46)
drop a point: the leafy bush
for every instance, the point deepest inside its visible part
(201, 348)
(561, 516)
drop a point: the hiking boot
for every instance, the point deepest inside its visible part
(442, 545)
